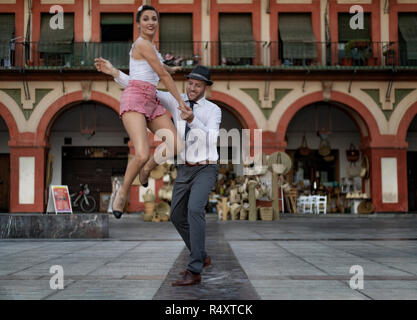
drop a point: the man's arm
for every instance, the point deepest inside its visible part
(167, 100)
(213, 123)
(122, 79)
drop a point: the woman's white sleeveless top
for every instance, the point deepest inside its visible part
(142, 70)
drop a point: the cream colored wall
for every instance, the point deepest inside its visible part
(57, 1)
(232, 89)
(175, 1)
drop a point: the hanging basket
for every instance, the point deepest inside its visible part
(324, 148)
(352, 154)
(304, 150)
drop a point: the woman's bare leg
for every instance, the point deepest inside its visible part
(172, 147)
(135, 125)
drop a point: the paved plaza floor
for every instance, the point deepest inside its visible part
(293, 258)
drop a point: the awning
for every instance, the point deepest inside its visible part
(346, 33)
(56, 40)
(116, 18)
(296, 32)
(6, 33)
(236, 36)
(176, 34)
(407, 23)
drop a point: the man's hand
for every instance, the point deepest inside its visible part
(186, 113)
(175, 69)
(103, 65)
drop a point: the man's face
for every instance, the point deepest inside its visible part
(195, 89)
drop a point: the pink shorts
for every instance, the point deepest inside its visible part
(140, 96)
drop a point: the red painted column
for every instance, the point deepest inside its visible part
(38, 153)
(271, 144)
(375, 155)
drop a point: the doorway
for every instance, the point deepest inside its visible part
(412, 180)
(4, 182)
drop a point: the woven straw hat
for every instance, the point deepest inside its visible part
(282, 160)
(158, 172)
(162, 208)
(149, 196)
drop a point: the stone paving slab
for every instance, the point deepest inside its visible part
(293, 258)
(223, 280)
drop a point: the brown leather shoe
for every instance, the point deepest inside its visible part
(206, 263)
(188, 279)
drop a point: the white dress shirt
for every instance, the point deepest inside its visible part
(201, 144)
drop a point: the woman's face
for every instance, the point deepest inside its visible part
(148, 22)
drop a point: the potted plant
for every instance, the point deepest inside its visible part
(347, 60)
(389, 54)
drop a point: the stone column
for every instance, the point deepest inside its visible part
(387, 183)
(27, 178)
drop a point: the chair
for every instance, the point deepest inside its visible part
(320, 205)
(305, 204)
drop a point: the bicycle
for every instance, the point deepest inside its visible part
(87, 202)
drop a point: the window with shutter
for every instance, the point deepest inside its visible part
(176, 35)
(296, 38)
(236, 38)
(6, 35)
(407, 35)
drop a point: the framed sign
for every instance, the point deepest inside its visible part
(61, 199)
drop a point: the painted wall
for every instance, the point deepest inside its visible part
(4, 137)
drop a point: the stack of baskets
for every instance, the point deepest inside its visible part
(266, 213)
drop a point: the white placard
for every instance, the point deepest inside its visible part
(26, 180)
(389, 180)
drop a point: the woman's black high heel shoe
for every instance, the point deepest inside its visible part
(118, 213)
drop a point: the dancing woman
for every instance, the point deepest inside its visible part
(139, 106)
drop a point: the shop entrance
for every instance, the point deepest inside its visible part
(4, 167)
(412, 180)
(412, 165)
(89, 145)
(318, 138)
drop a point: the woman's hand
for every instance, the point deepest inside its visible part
(103, 65)
(186, 113)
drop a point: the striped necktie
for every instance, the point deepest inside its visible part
(187, 128)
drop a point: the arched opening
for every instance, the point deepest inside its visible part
(411, 139)
(231, 119)
(4, 167)
(88, 145)
(328, 129)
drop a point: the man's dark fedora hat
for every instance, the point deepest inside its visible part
(201, 73)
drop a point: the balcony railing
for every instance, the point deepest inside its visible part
(80, 55)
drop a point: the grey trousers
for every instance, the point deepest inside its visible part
(189, 198)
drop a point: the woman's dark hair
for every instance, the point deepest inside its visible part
(144, 8)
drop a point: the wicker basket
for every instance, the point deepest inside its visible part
(164, 218)
(149, 208)
(266, 213)
(147, 217)
(243, 214)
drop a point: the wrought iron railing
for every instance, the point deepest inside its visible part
(79, 55)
